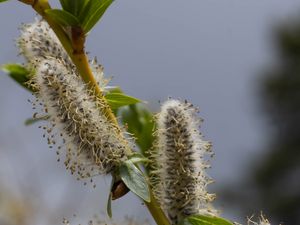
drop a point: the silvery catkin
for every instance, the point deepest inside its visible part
(77, 124)
(92, 143)
(180, 175)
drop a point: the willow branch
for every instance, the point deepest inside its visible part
(75, 49)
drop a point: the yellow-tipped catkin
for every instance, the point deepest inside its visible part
(180, 175)
(77, 123)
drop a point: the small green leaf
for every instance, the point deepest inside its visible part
(85, 11)
(108, 205)
(114, 89)
(81, 7)
(66, 5)
(117, 100)
(135, 180)
(3, 1)
(96, 11)
(77, 6)
(63, 17)
(74, 7)
(137, 157)
(205, 220)
(31, 121)
(19, 73)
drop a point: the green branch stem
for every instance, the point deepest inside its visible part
(156, 212)
(75, 49)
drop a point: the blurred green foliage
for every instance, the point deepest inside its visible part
(278, 176)
(140, 123)
(273, 182)
(18, 73)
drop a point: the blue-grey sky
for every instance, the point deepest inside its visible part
(207, 51)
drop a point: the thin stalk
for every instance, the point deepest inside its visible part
(75, 49)
(156, 212)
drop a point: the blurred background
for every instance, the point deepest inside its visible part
(239, 61)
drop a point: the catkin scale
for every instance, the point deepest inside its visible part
(179, 178)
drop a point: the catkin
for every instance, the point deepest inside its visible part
(180, 174)
(78, 125)
(92, 144)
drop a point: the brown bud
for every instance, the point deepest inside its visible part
(118, 190)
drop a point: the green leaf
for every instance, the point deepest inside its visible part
(3, 1)
(137, 157)
(84, 5)
(19, 73)
(140, 123)
(117, 100)
(94, 14)
(63, 17)
(135, 180)
(74, 7)
(66, 5)
(31, 121)
(205, 220)
(78, 6)
(115, 89)
(108, 205)
(85, 11)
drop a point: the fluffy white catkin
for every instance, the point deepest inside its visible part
(92, 144)
(77, 123)
(181, 178)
